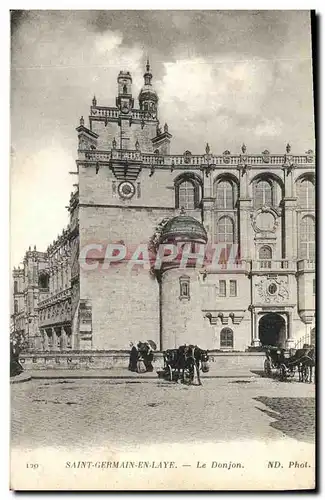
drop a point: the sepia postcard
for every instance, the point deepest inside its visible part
(163, 288)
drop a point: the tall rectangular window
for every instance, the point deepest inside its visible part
(314, 287)
(184, 283)
(222, 288)
(233, 288)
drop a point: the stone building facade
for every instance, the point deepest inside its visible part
(131, 189)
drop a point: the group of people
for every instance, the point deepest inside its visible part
(141, 357)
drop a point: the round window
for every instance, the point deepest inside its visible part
(272, 289)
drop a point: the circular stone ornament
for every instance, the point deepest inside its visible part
(126, 190)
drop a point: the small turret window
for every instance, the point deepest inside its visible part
(184, 285)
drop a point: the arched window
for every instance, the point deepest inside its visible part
(265, 256)
(263, 194)
(16, 306)
(307, 238)
(225, 195)
(187, 195)
(15, 287)
(187, 192)
(225, 230)
(125, 89)
(306, 194)
(227, 338)
(43, 281)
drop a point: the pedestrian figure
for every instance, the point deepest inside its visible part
(133, 358)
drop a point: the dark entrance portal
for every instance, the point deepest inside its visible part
(272, 330)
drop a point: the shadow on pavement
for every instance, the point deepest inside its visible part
(295, 417)
(260, 373)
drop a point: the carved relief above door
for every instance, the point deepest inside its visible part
(272, 289)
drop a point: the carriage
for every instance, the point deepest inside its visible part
(184, 362)
(279, 362)
(285, 363)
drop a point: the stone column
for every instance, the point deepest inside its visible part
(49, 347)
(45, 340)
(289, 340)
(63, 339)
(256, 340)
(55, 341)
(208, 203)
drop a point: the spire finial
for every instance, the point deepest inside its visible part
(94, 101)
(82, 121)
(288, 148)
(148, 75)
(207, 148)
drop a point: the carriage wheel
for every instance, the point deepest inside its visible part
(283, 373)
(267, 368)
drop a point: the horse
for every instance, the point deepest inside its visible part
(304, 359)
(196, 359)
(307, 363)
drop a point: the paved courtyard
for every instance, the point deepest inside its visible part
(80, 412)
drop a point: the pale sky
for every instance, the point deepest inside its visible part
(223, 77)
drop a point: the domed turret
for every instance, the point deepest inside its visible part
(184, 228)
(181, 287)
(148, 98)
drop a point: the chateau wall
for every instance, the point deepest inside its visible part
(131, 134)
(155, 191)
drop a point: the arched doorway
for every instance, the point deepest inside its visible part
(272, 330)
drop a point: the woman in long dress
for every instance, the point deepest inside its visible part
(133, 358)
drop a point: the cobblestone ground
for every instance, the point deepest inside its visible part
(84, 412)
